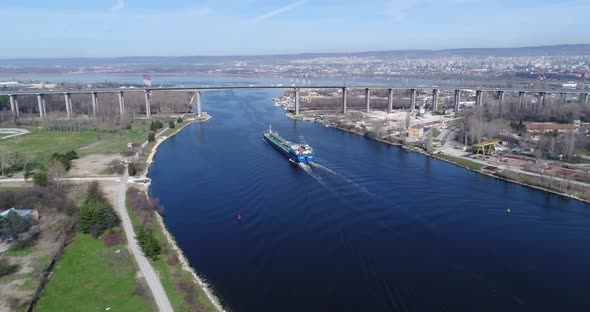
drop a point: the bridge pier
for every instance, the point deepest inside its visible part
(296, 101)
(121, 103)
(563, 98)
(94, 96)
(500, 101)
(148, 104)
(367, 99)
(68, 102)
(521, 97)
(457, 100)
(390, 101)
(541, 99)
(199, 107)
(478, 96)
(435, 100)
(41, 104)
(412, 100)
(343, 109)
(583, 98)
(14, 106)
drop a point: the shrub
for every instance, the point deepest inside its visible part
(179, 120)
(63, 159)
(112, 238)
(41, 179)
(131, 169)
(158, 124)
(171, 124)
(71, 155)
(7, 268)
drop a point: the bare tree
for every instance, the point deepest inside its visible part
(56, 172)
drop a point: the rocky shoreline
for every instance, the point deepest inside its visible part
(421, 151)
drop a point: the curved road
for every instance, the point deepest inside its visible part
(144, 265)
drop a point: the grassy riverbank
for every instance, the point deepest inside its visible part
(93, 277)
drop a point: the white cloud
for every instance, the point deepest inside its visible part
(278, 11)
(118, 6)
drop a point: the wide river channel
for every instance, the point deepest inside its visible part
(369, 227)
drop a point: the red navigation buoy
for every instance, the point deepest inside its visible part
(239, 218)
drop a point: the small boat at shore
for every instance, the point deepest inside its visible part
(296, 152)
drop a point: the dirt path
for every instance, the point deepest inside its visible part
(143, 264)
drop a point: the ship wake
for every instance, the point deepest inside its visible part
(321, 168)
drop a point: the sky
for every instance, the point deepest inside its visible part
(113, 28)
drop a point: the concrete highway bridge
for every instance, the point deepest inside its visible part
(479, 95)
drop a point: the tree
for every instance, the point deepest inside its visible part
(41, 179)
(149, 244)
(179, 120)
(131, 169)
(56, 171)
(158, 124)
(151, 137)
(171, 124)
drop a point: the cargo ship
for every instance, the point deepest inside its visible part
(296, 152)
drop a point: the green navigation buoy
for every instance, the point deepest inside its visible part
(507, 210)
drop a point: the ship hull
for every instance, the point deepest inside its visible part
(287, 153)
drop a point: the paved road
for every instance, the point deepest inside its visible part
(79, 179)
(13, 132)
(144, 265)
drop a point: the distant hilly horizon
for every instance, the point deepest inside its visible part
(549, 50)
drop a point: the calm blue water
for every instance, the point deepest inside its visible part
(369, 228)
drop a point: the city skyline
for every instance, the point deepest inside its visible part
(115, 28)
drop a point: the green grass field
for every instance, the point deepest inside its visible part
(465, 162)
(92, 277)
(40, 144)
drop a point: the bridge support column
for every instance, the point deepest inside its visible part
(121, 103)
(40, 102)
(583, 98)
(457, 100)
(343, 109)
(199, 107)
(563, 98)
(390, 101)
(500, 101)
(541, 99)
(68, 102)
(412, 100)
(521, 98)
(94, 96)
(477, 97)
(148, 104)
(435, 100)
(14, 106)
(367, 99)
(296, 101)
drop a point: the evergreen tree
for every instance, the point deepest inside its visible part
(151, 137)
(41, 179)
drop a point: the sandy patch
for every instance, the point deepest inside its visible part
(92, 164)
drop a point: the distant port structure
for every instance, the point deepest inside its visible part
(480, 93)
